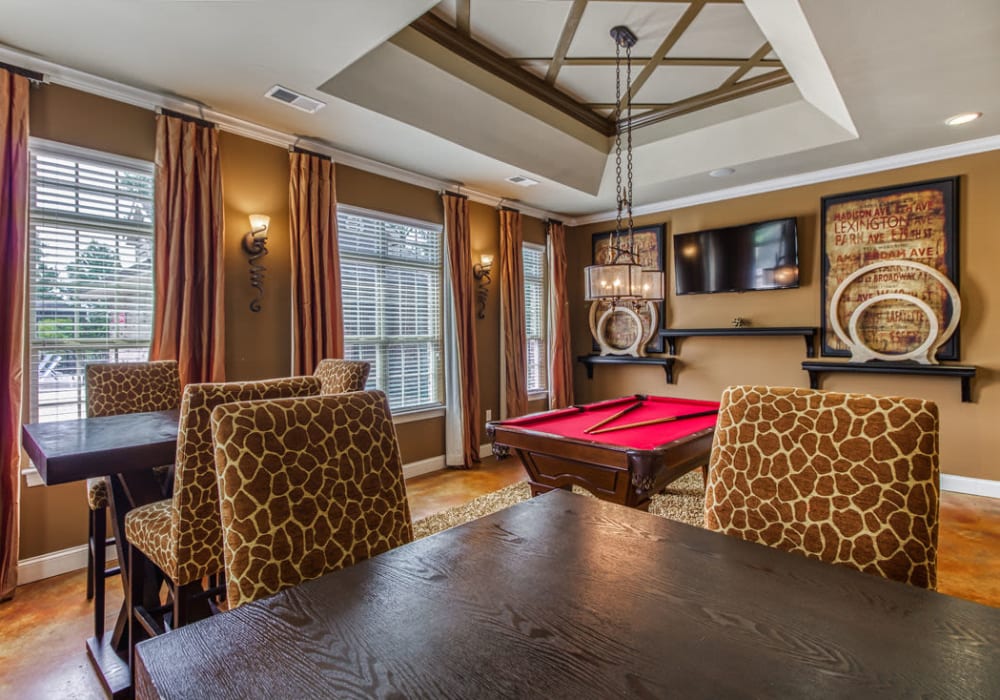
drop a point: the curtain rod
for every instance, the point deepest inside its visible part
(454, 194)
(304, 151)
(29, 74)
(188, 118)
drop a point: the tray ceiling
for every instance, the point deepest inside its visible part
(475, 91)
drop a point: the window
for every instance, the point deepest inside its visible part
(90, 271)
(533, 257)
(391, 286)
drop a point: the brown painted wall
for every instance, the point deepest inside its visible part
(707, 365)
(484, 222)
(484, 228)
(255, 181)
(69, 116)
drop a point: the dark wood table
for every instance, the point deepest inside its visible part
(125, 449)
(572, 597)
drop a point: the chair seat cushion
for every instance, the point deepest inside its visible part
(97, 493)
(147, 528)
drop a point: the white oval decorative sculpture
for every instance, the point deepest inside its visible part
(925, 353)
(645, 325)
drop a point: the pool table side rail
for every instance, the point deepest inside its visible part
(614, 472)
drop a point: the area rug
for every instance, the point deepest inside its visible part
(684, 500)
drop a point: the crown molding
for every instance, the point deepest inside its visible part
(86, 82)
(902, 160)
(148, 99)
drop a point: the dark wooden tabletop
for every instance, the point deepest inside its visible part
(572, 597)
(71, 450)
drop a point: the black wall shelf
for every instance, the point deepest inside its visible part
(963, 372)
(807, 332)
(590, 360)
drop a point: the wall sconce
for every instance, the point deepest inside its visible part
(255, 244)
(481, 271)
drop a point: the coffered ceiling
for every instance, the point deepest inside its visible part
(476, 91)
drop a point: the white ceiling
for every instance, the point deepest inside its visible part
(873, 79)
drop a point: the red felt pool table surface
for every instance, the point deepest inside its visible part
(571, 422)
(624, 466)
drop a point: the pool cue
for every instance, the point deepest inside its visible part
(668, 419)
(638, 402)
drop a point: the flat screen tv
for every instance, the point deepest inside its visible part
(763, 255)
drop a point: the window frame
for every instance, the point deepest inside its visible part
(81, 222)
(543, 281)
(420, 412)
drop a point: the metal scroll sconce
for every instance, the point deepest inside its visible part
(481, 271)
(255, 245)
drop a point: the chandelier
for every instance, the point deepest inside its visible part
(619, 281)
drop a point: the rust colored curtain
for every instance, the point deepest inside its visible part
(13, 243)
(317, 307)
(512, 303)
(560, 344)
(188, 276)
(457, 235)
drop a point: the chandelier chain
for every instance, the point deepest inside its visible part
(628, 90)
(618, 151)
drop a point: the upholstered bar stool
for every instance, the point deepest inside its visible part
(338, 376)
(182, 535)
(324, 491)
(114, 389)
(848, 479)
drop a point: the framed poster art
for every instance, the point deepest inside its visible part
(914, 223)
(648, 246)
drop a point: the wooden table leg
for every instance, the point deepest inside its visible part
(109, 655)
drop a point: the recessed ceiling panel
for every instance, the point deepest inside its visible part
(727, 31)
(670, 84)
(519, 28)
(650, 21)
(590, 84)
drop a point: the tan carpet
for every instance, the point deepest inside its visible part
(684, 500)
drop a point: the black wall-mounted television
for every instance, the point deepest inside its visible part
(763, 255)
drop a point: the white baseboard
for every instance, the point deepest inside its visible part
(974, 487)
(56, 563)
(433, 464)
(423, 466)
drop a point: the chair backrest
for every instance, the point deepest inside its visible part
(195, 532)
(339, 376)
(846, 478)
(322, 489)
(115, 388)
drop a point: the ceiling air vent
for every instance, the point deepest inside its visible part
(521, 180)
(289, 97)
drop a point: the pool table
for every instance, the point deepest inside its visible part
(623, 466)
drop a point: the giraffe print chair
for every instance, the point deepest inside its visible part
(114, 389)
(182, 535)
(338, 376)
(845, 478)
(322, 491)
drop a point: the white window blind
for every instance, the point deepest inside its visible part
(533, 257)
(90, 273)
(391, 286)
